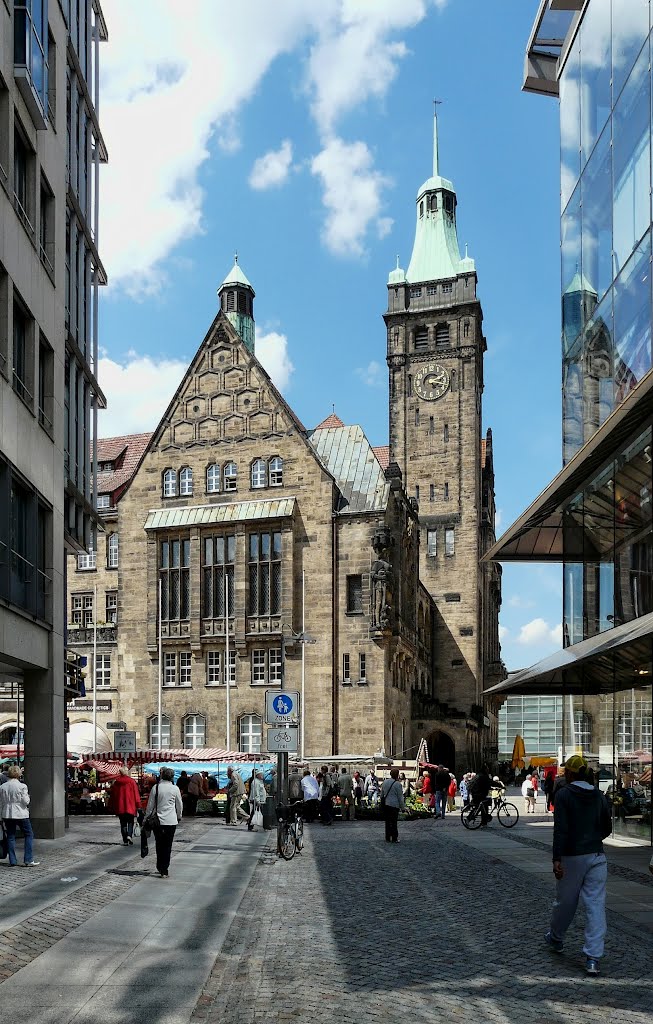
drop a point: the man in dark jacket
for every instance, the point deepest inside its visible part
(442, 782)
(581, 821)
(479, 790)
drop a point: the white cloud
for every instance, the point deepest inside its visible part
(164, 104)
(272, 350)
(537, 632)
(352, 196)
(503, 632)
(132, 408)
(373, 374)
(517, 601)
(498, 519)
(273, 167)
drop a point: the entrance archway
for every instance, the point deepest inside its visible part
(442, 750)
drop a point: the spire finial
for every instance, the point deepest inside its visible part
(466, 253)
(236, 256)
(398, 261)
(436, 104)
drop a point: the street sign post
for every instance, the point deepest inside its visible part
(116, 725)
(124, 742)
(281, 707)
(283, 739)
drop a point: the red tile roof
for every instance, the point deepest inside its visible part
(330, 422)
(382, 453)
(111, 449)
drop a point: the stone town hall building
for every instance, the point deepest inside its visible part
(387, 541)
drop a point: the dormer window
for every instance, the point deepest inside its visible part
(186, 481)
(103, 501)
(170, 484)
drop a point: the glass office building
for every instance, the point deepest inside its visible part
(596, 517)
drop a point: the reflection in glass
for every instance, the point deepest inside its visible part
(596, 197)
(572, 630)
(632, 321)
(595, 58)
(570, 240)
(629, 31)
(632, 165)
(633, 531)
(570, 124)
(572, 402)
(598, 387)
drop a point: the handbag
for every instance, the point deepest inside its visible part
(152, 820)
(384, 795)
(137, 830)
(530, 791)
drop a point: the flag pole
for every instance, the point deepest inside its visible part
(160, 686)
(227, 667)
(302, 709)
(95, 673)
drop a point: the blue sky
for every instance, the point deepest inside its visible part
(299, 138)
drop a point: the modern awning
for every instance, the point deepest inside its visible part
(537, 536)
(619, 658)
(231, 512)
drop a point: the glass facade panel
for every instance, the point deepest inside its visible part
(631, 161)
(630, 25)
(570, 124)
(596, 199)
(632, 320)
(595, 62)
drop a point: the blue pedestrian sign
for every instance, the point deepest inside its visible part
(281, 707)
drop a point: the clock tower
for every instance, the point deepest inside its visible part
(435, 347)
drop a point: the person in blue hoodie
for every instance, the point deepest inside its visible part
(581, 821)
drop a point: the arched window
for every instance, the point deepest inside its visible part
(213, 479)
(441, 335)
(194, 731)
(230, 473)
(157, 742)
(259, 473)
(112, 551)
(421, 208)
(276, 472)
(170, 484)
(582, 730)
(250, 731)
(186, 481)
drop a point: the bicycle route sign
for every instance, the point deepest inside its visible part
(281, 708)
(124, 742)
(283, 739)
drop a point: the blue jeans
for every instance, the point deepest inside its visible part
(585, 878)
(440, 802)
(25, 824)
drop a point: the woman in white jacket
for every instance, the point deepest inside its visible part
(14, 803)
(257, 797)
(165, 802)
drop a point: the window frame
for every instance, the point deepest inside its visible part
(265, 671)
(113, 551)
(218, 658)
(252, 719)
(230, 477)
(450, 541)
(168, 476)
(354, 594)
(212, 471)
(195, 717)
(102, 679)
(431, 548)
(265, 574)
(152, 723)
(346, 668)
(186, 482)
(275, 471)
(258, 474)
(111, 607)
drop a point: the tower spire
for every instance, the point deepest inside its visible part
(436, 104)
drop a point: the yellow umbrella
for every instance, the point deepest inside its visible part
(518, 753)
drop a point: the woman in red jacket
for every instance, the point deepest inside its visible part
(124, 800)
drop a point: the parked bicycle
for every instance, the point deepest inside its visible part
(291, 829)
(507, 813)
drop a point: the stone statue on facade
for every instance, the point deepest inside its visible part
(381, 580)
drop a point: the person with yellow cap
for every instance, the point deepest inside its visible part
(581, 821)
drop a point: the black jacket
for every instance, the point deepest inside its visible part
(480, 786)
(581, 821)
(442, 780)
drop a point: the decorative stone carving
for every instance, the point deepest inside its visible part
(382, 543)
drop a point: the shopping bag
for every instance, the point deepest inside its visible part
(257, 819)
(137, 830)
(144, 847)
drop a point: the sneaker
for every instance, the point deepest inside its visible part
(32, 863)
(130, 842)
(592, 966)
(555, 944)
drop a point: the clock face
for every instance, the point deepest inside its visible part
(431, 382)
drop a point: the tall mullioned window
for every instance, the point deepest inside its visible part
(264, 574)
(31, 46)
(219, 557)
(174, 569)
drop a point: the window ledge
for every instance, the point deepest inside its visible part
(177, 686)
(264, 684)
(361, 612)
(220, 686)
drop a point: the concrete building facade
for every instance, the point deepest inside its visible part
(50, 150)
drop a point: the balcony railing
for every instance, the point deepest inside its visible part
(84, 634)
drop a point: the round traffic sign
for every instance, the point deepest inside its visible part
(283, 704)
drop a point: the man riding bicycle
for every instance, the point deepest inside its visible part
(479, 789)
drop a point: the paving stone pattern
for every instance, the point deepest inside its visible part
(619, 870)
(357, 930)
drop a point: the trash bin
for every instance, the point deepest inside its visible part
(269, 813)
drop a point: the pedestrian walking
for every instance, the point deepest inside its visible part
(14, 804)
(581, 821)
(453, 789)
(464, 789)
(346, 791)
(197, 789)
(406, 785)
(124, 801)
(372, 790)
(425, 789)
(392, 801)
(235, 792)
(326, 802)
(257, 797)
(359, 783)
(164, 811)
(479, 789)
(442, 780)
(311, 791)
(547, 787)
(535, 783)
(528, 794)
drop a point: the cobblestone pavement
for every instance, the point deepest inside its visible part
(356, 931)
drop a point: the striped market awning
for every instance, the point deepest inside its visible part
(174, 754)
(231, 512)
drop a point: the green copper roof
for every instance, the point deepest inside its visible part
(236, 276)
(397, 276)
(579, 283)
(235, 511)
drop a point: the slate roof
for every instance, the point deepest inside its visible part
(346, 453)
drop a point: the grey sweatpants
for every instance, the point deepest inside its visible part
(584, 878)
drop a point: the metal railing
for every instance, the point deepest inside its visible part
(23, 216)
(21, 389)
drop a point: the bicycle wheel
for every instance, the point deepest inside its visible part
(287, 841)
(299, 834)
(471, 817)
(507, 815)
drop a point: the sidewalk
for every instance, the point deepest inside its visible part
(447, 926)
(106, 943)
